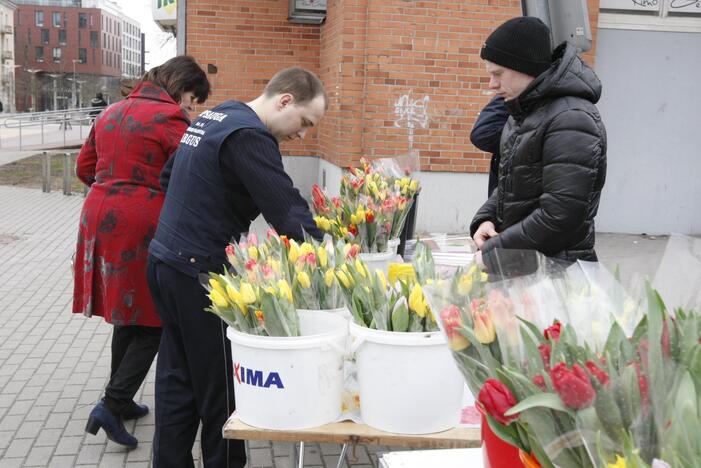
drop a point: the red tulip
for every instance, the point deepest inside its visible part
(496, 398)
(573, 386)
(450, 316)
(369, 217)
(665, 338)
(539, 380)
(553, 331)
(600, 374)
(642, 385)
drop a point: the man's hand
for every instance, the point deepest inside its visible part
(483, 233)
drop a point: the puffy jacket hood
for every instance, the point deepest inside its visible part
(567, 76)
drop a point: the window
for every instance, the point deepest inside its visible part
(44, 36)
(56, 19)
(39, 51)
(39, 18)
(93, 39)
(57, 54)
(83, 55)
(93, 56)
(668, 15)
(80, 38)
(62, 36)
(82, 20)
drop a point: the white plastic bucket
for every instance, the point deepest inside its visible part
(378, 261)
(393, 245)
(409, 383)
(341, 311)
(287, 383)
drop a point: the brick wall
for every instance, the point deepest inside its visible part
(248, 41)
(372, 55)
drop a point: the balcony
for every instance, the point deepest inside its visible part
(6, 29)
(6, 55)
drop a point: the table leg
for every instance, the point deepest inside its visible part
(342, 456)
(300, 463)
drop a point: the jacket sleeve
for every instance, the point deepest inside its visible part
(572, 148)
(173, 130)
(486, 133)
(258, 165)
(488, 212)
(87, 160)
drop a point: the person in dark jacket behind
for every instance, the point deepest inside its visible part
(226, 171)
(553, 150)
(486, 135)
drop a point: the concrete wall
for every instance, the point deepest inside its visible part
(650, 105)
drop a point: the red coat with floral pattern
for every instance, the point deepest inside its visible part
(121, 162)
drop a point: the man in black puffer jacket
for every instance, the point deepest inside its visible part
(553, 147)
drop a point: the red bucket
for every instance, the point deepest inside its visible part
(497, 453)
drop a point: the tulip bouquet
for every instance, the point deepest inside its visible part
(371, 209)
(395, 306)
(561, 394)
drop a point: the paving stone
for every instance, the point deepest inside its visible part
(62, 461)
(39, 456)
(29, 430)
(18, 448)
(90, 454)
(68, 445)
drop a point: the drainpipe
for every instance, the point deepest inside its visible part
(181, 28)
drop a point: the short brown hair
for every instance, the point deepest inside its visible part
(300, 83)
(180, 75)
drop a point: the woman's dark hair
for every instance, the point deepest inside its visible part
(180, 75)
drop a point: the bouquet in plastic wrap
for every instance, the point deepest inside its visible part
(398, 305)
(371, 209)
(572, 371)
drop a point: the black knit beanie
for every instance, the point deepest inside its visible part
(521, 44)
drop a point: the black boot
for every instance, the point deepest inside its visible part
(102, 417)
(134, 411)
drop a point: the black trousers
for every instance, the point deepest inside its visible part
(133, 350)
(194, 375)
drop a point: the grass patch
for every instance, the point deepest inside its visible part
(28, 173)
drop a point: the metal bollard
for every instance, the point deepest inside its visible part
(66, 174)
(46, 172)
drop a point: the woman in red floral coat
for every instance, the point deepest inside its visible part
(121, 161)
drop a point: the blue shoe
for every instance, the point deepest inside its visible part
(135, 411)
(102, 417)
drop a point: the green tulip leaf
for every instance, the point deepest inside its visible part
(540, 400)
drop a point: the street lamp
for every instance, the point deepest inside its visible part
(75, 96)
(55, 76)
(33, 72)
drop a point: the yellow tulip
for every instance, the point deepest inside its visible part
(381, 277)
(217, 285)
(294, 251)
(414, 185)
(231, 292)
(236, 298)
(343, 278)
(401, 271)
(306, 248)
(285, 290)
(484, 277)
(253, 252)
(417, 303)
(328, 277)
(303, 279)
(354, 219)
(484, 328)
(620, 463)
(247, 293)
(217, 298)
(465, 284)
(359, 268)
(275, 264)
(322, 256)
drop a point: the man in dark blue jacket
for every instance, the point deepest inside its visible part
(226, 171)
(486, 135)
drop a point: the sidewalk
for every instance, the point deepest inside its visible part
(54, 365)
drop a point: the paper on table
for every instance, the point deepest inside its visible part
(451, 458)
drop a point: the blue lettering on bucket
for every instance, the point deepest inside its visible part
(255, 377)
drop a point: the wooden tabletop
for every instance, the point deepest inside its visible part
(348, 432)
